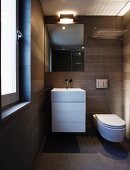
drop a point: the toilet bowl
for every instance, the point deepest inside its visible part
(110, 126)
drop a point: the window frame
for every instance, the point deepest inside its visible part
(25, 95)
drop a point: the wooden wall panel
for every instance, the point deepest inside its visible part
(126, 74)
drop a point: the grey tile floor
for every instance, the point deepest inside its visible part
(95, 154)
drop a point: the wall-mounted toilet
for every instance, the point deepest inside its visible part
(110, 126)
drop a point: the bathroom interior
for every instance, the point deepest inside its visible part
(70, 108)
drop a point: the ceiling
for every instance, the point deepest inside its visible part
(84, 7)
(71, 37)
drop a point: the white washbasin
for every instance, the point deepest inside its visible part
(68, 95)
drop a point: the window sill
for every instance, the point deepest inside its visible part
(6, 113)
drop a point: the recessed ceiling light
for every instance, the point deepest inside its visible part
(63, 27)
(82, 47)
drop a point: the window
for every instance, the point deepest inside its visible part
(9, 51)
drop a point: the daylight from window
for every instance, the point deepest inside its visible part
(8, 46)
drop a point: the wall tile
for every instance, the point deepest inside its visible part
(102, 59)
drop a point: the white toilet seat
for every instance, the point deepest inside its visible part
(110, 121)
(110, 126)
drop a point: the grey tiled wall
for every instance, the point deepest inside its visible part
(103, 59)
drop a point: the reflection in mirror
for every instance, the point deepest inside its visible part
(64, 47)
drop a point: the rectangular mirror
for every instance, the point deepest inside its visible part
(64, 47)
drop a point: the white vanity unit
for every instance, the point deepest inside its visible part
(68, 110)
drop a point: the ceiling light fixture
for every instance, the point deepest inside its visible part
(66, 19)
(66, 12)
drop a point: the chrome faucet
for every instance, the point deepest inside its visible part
(69, 83)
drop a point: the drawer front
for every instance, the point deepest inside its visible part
(68, 112)
(68, 127)
(68, 96)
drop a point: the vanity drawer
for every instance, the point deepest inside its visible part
(68, 112)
